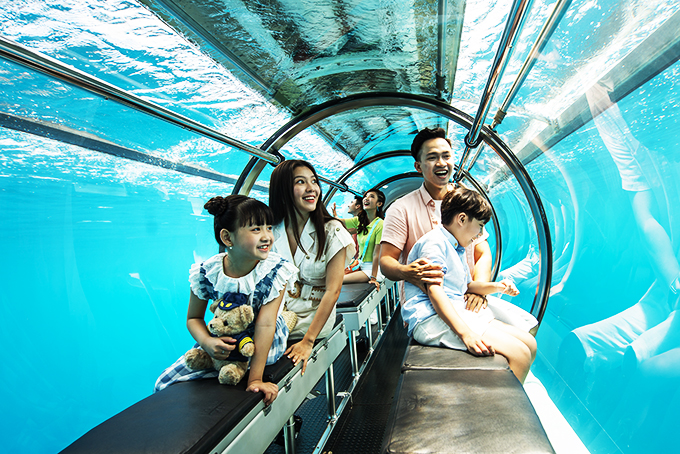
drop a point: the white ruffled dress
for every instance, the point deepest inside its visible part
(262, 285)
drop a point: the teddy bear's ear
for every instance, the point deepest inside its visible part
(247, 315)
(213, 306)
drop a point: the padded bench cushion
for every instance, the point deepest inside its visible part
(187, 417)
(352, 295)
(419, 357)
(463, 411)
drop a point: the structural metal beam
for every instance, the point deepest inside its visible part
(518, 13)
(322, 111)
(34, 60)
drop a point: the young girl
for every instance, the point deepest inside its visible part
(368, 225)
(317, 244)
(438, 316)
(244, 227)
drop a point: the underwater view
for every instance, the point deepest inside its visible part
(103, 243)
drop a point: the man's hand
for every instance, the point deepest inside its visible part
(422, 273)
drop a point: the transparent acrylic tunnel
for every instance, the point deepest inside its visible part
(96, 248)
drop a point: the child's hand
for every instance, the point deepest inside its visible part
(474, 302)
(508, 287)
(219, 347)
(270, 390)
(476, 345)
(335, 213)
(300, 351)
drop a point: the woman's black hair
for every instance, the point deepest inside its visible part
(464, 200)
(282, 202)
(363, 217)
(236, 211)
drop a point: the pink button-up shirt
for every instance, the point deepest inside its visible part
(411, 217)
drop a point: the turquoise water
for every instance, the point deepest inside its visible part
(94, 288)
(96, 249)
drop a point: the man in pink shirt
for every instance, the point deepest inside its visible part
(418, 212)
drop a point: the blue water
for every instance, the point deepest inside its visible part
(96, 249)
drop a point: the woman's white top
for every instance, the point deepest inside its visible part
(311, 276)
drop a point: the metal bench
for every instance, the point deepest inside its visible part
(202, 416)
(355, 304)
(449, 401)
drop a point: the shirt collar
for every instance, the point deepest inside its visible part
(308, 236)
(427, 198)
(451, 239)
(307, 240)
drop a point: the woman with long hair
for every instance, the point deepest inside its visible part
(307, 235)
(368, 225)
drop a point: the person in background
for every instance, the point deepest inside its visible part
(368, 225)
(355, 206)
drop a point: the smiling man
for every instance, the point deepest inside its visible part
(418, 212)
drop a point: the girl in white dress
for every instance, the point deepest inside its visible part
(319, 246)
(248, 271)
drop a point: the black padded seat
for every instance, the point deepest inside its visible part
(352, 295)
(187, 417)
(463, 411)
(419, 357)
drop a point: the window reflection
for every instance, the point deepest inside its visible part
(623, 367)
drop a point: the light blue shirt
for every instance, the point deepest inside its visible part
(440, 247)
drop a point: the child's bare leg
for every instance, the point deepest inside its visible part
(355, 277)
(528, 339)
(515, 351)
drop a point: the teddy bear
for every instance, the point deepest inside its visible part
(234, 318)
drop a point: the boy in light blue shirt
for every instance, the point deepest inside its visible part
(437, 315)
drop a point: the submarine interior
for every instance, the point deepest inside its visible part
(119, 119)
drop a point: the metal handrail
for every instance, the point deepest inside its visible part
(544, 35)
(24, 56)
(325, 110)
(510, 33)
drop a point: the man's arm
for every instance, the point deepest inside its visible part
(420, 273)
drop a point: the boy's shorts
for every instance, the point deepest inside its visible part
(435, 332)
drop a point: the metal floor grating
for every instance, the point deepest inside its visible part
(361, 426)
